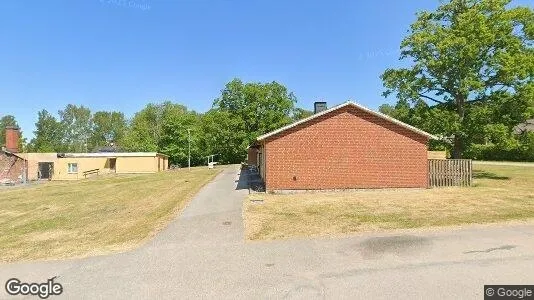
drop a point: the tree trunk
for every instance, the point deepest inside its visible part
(458, 137)
(457, 148)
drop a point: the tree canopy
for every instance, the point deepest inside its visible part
(76, 122)
(466, 54)
(108, 127)
(249, 110)
(242, 112)
(49, 134)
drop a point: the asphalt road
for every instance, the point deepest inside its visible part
(202, 254)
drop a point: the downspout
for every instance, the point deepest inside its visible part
(25, 173)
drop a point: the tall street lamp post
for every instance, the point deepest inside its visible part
(189, 155)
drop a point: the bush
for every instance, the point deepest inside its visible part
(521, 151)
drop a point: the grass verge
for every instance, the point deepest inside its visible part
(499, 194)
(93, 216)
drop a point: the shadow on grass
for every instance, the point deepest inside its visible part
(488, 175)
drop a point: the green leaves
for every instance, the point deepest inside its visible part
(107, 127)
(76, 122)
(78, 130)
(242, 112)
(248, 110)
(49, 134)
(465, 51)
(301, 113)
(224, 136)
(164, 128)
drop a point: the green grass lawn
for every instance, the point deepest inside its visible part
(499, 194)
(93, 216)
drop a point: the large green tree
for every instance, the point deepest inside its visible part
(77, 124)
(48, 134)
(144, 133)
(252, 109)
(181, 133)
(466, 51)
(167, 128)
(490, 126)
(107, 127)
(223, 136)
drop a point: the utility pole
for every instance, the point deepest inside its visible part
(189, 138)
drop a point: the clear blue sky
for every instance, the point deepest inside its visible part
(122, 54)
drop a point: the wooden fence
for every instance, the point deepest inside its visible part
(450, 172)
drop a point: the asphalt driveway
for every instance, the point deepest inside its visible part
(202, 254)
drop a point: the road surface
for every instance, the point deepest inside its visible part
(202, 254)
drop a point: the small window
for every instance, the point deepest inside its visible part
(73, 167)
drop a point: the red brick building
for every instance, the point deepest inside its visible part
(344, 147)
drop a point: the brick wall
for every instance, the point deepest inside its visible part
(12, 139)
(13, 165)
(347, 148)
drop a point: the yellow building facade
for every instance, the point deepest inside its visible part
(75, 166)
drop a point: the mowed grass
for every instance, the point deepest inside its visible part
(92, 216)
(499, 194)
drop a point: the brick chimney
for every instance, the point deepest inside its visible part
(12, 139)
(319, 107)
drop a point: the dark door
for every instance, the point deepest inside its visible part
(46, 170)
(113, 164)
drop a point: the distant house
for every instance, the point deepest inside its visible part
(346, 146)
(74, 166)
(527, 126)
(15, 166)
